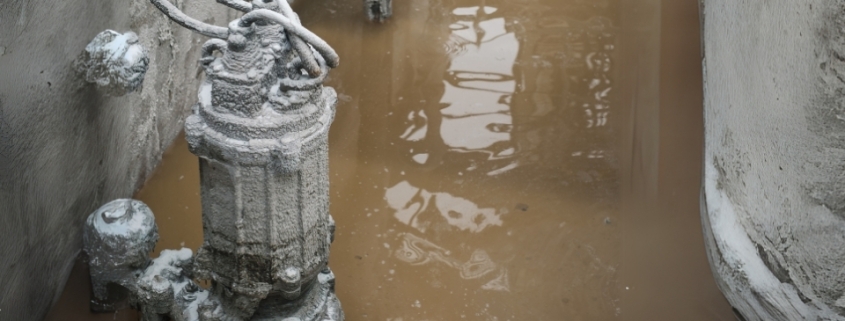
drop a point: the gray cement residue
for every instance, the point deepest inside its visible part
(114, 61)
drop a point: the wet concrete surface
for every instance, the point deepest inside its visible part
(497, 160)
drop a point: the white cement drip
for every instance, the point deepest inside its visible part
(740, 255)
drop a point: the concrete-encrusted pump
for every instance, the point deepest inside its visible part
(260, 129)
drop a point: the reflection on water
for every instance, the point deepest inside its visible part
(418, 251)
(479, 84)
(410, 203)
(546, 66)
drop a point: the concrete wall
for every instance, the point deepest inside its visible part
(773, 205)
(65, 147)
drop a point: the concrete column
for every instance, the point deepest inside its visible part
(774, 160)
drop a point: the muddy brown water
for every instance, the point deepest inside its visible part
(499, 160)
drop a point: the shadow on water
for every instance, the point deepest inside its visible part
(498, 160)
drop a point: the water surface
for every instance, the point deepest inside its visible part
(500, 160)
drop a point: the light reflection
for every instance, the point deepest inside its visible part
(412, 206)
(476, 81)
(472, 113)
(418, 251)
(502, 90)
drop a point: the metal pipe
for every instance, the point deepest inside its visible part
(237, 5)
(331, 57)
(186, 21)
(309, 63)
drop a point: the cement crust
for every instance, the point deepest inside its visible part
(773, 198)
